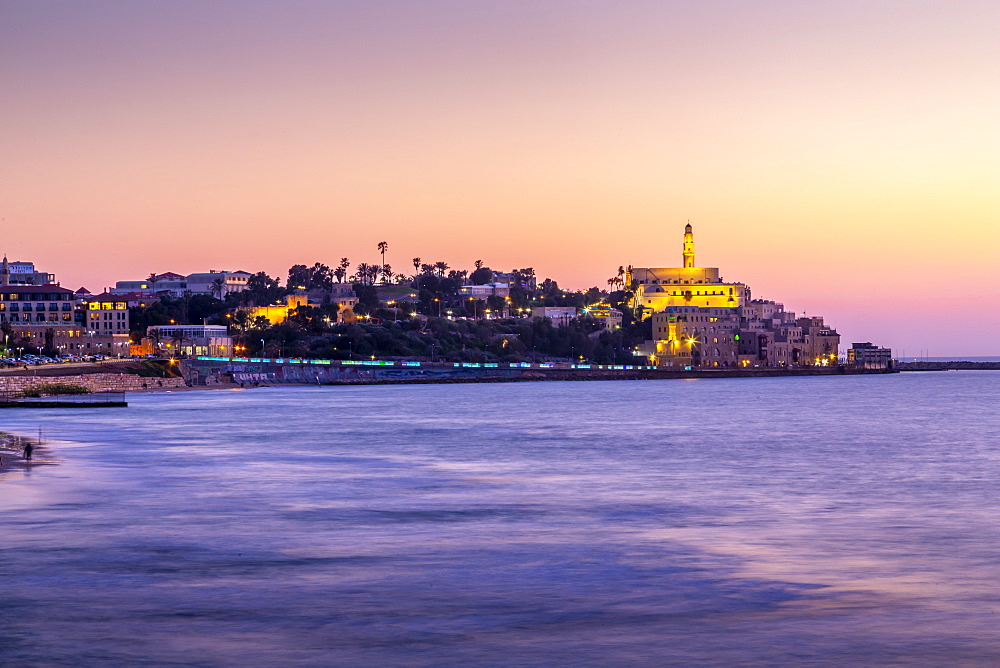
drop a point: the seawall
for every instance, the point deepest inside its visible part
(948, 366)
(212, 371)
(95, 382)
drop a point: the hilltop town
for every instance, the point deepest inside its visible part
(685, 316)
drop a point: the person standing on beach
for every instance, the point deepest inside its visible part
(28, 449)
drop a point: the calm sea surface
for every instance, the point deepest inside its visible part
(809, 521)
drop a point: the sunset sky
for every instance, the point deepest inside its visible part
(840, 157)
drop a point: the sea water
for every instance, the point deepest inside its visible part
(798, 521)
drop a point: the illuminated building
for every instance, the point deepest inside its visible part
(869, 356)
(106, 314)
(607, 316)
(277, 313)
(342, 295)
(699, 319)
(485, 290)
(559, 315)
(189, 340)
(35, 304)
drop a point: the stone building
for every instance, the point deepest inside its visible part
(699, 319)
(36, 304)
(869, 356)
(106, 314)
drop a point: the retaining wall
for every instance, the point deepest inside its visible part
(96, 382)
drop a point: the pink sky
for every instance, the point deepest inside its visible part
(841, 158)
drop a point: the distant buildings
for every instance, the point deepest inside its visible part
(609, 317)
(698, 319)
(214, 282)
(36, 304)
(559, 315)
(485, 290)
(341, 294)
(869, 356)
(23, 273)
(189, 340)
(106, 314)
(41, 316)
(217, 283)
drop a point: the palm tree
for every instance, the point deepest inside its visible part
(441, 267)
(383, 246)
(178, 339)
(479, 264)
(218, 288)
(341, 271)
(152, 281)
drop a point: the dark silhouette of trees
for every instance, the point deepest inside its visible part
(482, 275)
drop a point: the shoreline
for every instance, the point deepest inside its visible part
(12, 453)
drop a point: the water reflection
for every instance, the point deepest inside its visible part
(586, 523)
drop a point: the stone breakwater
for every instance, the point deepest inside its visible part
(95, 382)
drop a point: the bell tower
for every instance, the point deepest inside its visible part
(688, 247)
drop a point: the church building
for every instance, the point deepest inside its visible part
(700, 320)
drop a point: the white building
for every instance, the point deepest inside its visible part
(190, 340)
(217, 283)
(168, 282)
(23, 273)
(485, 290)
(559, 315)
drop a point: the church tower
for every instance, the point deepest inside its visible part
(4, 272)
(688, 247)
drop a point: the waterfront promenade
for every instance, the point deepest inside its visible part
(256, 371)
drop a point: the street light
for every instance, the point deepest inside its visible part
(262, 348)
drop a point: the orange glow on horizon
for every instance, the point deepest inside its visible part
(838, 159)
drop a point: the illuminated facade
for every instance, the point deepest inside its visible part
(106, 314)
(36, 304)
(604, 314)
(276, 313)
(698, 319)
(868, 356)
(191, 339)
